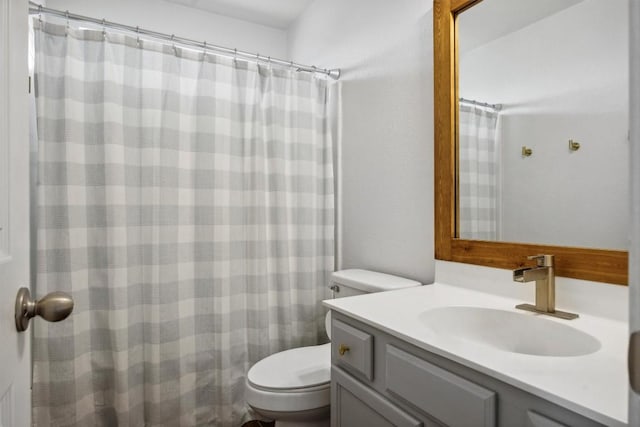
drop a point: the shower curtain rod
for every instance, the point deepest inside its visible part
(496, 107)
(36, 9)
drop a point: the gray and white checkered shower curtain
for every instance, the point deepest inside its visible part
(186, 202)
(478, 153)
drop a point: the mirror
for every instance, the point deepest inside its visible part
(531, 134)
(550, 76)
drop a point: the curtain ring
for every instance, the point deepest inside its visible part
(104, 30)
(235, 56)
(66, 31)
(269, 62)
(204, 50)
(173, 45)
(138, 35)
(40, 13)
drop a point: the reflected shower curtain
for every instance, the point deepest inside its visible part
(478, 173)
(186, 202)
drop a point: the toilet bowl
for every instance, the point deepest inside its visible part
(293, 387)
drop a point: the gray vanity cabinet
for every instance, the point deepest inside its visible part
(378, 380)
(358, 405)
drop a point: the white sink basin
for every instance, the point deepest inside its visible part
(509, 331)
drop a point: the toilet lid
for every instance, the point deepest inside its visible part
(297, 368)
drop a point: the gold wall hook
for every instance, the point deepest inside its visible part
(526, 152)
(574, 145)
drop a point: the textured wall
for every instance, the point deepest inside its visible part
(384, 49)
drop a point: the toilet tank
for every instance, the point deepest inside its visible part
(346, 283)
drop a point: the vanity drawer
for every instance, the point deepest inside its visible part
(443, 395)
(352, 349)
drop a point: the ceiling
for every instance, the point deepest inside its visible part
(492, 19)
(272, 13)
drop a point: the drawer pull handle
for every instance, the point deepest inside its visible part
(343, 349)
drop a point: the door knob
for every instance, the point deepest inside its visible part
(53, 307)
(633, 361)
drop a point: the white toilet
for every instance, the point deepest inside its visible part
(293, 387)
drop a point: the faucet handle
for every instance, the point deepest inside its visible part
(542, 260)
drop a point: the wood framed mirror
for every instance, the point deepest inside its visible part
(587, 263)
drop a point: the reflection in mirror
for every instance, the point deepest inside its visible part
(541, 75)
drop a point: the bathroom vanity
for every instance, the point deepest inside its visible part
(401, 359)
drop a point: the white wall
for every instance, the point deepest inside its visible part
(384, 49)
(183, 21)
(562, 77)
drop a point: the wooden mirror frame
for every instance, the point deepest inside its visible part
(599, 265)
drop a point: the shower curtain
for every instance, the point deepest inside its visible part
(478, 153)
(185, 200)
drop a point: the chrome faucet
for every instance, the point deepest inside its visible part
(544, 275)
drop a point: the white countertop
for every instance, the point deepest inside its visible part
(594, 385)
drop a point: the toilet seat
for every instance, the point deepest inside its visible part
(291, 381)
(295, 369)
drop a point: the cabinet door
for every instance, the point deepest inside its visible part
(443, 395)
(356, 405)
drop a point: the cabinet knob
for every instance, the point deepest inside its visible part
(343, 349)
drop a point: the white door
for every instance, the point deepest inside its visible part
(15, 351)
(634, 251)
